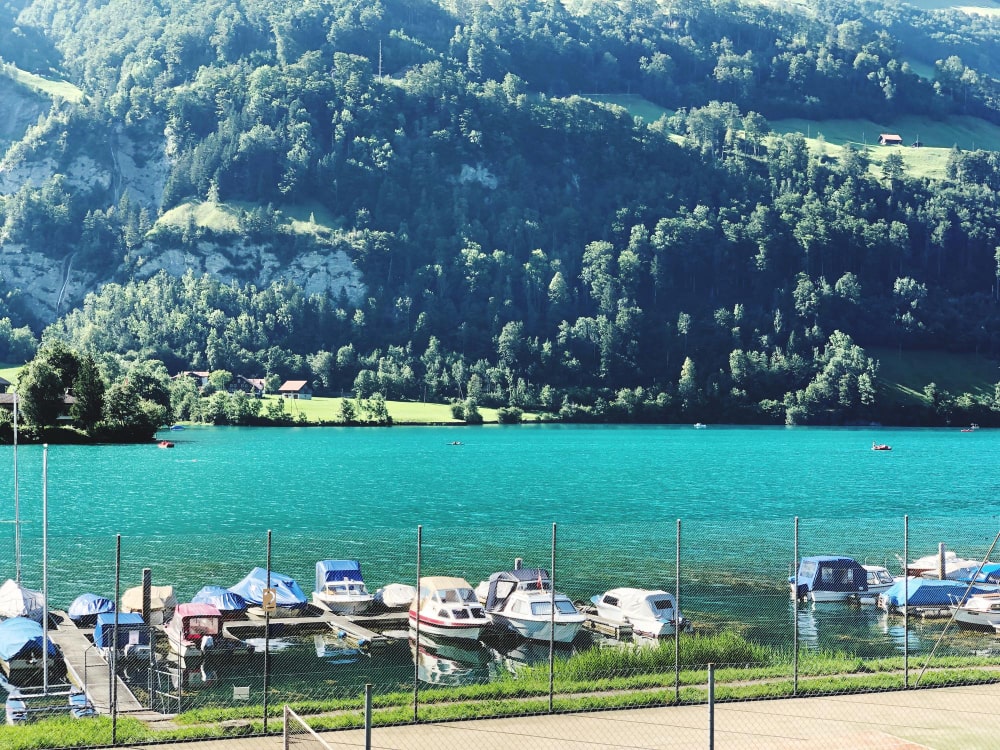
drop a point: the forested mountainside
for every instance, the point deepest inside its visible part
(430, 200)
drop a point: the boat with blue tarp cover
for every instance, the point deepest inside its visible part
(340, 587)
(21, 652)
(929, 596)
(85, 608)
(829, 578)
(231, 605)
(289, 596)
(133, 635)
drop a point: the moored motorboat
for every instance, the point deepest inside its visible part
(651, 612)
(20, 601)
(165, 444)
(979, 612)
(133, 635)
(290, 601)
(829, 578)
(395, 595)
(446, 606)
(83, 610)
(929, 597)
(193, 629)
(520, 600)
(879, 580)
(23, 657)
(231, 605)
(340, 587)
(881, 447)
(162, 603)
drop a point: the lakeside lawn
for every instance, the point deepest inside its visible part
(320, 409)
(9, 372)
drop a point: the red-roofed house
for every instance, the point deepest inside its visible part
(890, 139)
(295, 389)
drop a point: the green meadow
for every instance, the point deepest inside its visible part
(55, 89)
(225, 217)
(903, 375)
(319, 409)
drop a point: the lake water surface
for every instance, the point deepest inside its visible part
(199, 513)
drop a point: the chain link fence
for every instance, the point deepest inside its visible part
(730, 627)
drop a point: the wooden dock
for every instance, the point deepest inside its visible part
(353, 629)
(597, 624)
(87, 668)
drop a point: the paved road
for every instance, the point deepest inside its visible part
(966, 718)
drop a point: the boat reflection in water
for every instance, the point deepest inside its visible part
(451, 662)
(514, 654)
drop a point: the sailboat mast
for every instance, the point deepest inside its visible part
(45, 568)
(17, 504)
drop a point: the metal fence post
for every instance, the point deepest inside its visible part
(416, 622)
(368, 716)
(113, 661)
(552, 625)
(711, 706)
(677, 617)
(906, 601)
(267, 631)
(795, 612)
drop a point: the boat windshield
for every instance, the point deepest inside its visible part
(879, 576)
(355, 589)
(457, 596)
(563, 607)
(202, 625)
(660, 605)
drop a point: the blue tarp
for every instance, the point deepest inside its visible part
(129, 623)
(329, 571)
(990, 573)
(931, 592)
(252, 588)
(21, 637)
(831, 573)
(222, 599)
(89, 606)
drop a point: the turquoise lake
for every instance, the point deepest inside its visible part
(199, 513)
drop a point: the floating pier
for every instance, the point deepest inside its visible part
(87, 668)
(352, 629)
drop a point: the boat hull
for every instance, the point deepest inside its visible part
(433, 626)
(341, 605)
(976, 620)
(539, 630)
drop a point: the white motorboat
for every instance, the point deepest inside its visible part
(521, 601)
(447, 607)
(650, 612)
(340, 587)
(880, 580)
(19, 601)
(980, 612)
(395, 595)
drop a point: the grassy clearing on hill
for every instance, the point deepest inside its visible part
(55, 89)
(224, 217)
(9, 372)
(636, 105)
(904, 375)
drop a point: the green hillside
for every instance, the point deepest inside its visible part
(903, 375)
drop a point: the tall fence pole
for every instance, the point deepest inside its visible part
(113, 665)
(795, 612)
(416, 623)
(711, 706)
(267, 632)
(677, 616)
(552, 624)
(906, 601)
(45, 568)
(368, 716)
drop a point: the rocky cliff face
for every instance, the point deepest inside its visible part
(51, 283)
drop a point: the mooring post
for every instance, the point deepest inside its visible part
(147, 593)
